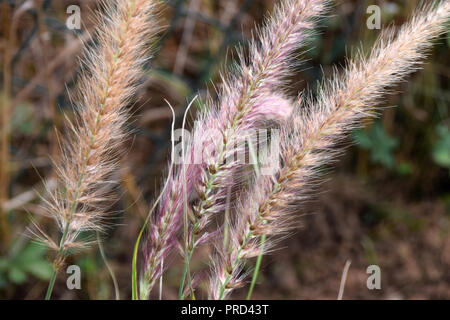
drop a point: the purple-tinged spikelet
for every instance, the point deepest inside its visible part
(309, 139)
(248, 96)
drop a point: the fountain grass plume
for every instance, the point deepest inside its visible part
(310, 137)
(110, 70)
(249, 95)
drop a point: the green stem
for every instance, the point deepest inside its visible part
(51, 284)
(257, 267)
(57, 261)
(185, 271)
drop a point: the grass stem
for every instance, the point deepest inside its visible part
(51, 284)
(257, 267)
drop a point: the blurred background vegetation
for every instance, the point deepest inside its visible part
(386, 202)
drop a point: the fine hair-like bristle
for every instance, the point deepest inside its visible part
(309, 139)
(249, 95)
(109, 77)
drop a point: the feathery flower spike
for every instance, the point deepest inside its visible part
(247, 97)
(110, 72)
(309, 139)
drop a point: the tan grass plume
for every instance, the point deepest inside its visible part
(109, 77)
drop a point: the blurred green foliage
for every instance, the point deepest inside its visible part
(381, 147)
(23, 262)
(379, 143)
(23, 119)
(441, 149)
